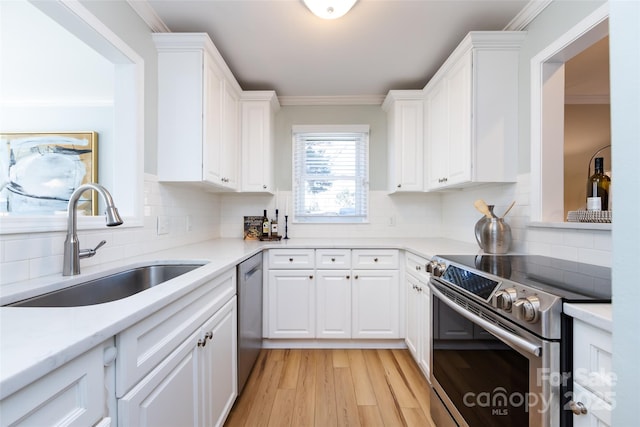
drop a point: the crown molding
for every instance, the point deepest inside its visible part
(527, 14)
(149, 16)
(332, 100)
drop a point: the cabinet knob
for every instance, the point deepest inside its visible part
(578, 408)
(399, 185)
(311, 277)
(375, 260)
(333, 260)
(290, 259)
(348, 276)
(264, 187)
(355, 277)
(418, 268)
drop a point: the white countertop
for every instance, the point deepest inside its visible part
(34, 341)
(598, 315)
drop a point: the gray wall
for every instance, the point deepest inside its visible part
(371, 115)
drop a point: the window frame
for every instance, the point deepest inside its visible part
(362, 217)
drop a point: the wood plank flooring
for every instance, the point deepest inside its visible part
(334, 387)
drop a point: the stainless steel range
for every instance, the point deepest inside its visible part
(501, 346)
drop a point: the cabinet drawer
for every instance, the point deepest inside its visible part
(416, 265)
(592, 359)
(291, 258)
(333, 258)
(598, 411)
(373, 259)
(72, 395)
(147, 343)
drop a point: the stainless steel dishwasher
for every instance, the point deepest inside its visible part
(249, 316)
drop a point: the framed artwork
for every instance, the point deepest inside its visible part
(40, 171)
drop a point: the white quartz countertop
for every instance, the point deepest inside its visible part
(598, 315)
(34, 341)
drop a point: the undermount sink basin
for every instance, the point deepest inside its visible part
(109, 288)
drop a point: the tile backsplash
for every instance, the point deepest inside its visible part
(192, 215)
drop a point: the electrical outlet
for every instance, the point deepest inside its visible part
(163, 225)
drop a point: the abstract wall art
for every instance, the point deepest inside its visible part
(40, 171)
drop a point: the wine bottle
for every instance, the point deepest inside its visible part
(274, 225)
(266, 227)
(598, 188)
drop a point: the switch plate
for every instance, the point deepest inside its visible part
(163, 225)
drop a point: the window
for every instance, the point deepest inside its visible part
(331, 173)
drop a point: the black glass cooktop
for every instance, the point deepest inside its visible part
(572, 281)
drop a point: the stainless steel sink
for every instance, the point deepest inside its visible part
(109, 288)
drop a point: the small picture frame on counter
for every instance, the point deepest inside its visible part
(252, 227)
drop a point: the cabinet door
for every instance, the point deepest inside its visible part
(599, 413)
(71, 395)
(437, 134)
(376, 304)
(212, 115)
(230, 138)
(412, 338)
(257, 147)
(333, 304)
(168, 396)
(408, 128)
(425, 329)
(459, 121)
(291, 307)
(218, 366)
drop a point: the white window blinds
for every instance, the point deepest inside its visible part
(331, 173)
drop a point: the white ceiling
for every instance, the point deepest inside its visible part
(378, 46)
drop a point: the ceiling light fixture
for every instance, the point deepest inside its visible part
(329, 9)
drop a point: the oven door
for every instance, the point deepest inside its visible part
(487, 371)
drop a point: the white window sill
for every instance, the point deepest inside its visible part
(573, 225)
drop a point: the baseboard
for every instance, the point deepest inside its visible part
(321, 344)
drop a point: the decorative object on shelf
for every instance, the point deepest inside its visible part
(43, 169)
(252, 227)
(589, 216)
(270, 238)
(329, 9)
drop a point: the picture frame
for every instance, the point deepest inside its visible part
(40, 170)
(252, 227)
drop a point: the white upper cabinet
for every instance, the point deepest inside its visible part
(405, 125)
(258, 136)
(471, 113)
(198, 112)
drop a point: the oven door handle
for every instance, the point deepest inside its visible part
(506, 337)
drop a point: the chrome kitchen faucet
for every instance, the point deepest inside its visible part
(72, 251)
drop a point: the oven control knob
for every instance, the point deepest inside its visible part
(439, 269)
(505, 298)
(527, 309)
(431, 265)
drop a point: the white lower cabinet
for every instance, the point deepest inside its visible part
(178, 366)
(593, 377)
(327, 297)
(195, 386)
(375, 304)
(75, 394)
(291, 306)
(333, 304)
(418, 328)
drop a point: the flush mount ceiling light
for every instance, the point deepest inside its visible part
(329, 9)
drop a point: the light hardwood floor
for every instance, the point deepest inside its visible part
(325, 388)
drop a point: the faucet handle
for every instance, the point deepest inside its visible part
(88, 253)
